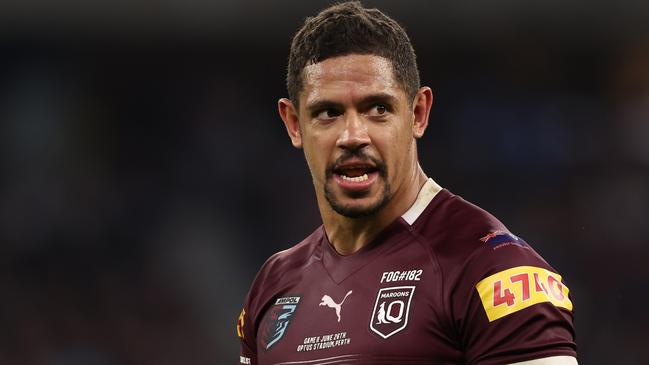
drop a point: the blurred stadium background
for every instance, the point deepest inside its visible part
(145, 175)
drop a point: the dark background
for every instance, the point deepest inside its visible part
(145, 175)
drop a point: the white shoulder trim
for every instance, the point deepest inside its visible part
(553, 360)
(425, 196)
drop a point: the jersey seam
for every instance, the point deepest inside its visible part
(420, 239)
(469, 259)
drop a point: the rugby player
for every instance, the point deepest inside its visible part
(402, 271)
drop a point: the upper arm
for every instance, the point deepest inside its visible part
(247, 355)
(510, 305)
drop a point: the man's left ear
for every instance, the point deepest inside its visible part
(421, 110)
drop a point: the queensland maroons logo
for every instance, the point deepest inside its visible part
(276, 321)
(391, 309)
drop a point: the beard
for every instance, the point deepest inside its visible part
(351, 210)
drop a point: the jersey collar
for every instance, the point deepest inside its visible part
(339, 267)
(425, 196)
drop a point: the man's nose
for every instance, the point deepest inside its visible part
(354, 134)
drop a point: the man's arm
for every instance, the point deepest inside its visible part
(554, 360)
(517, 304)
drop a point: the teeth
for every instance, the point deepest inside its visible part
(355, 179)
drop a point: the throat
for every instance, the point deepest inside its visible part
(349, 237)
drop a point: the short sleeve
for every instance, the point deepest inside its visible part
(510, 305)
(247, 353)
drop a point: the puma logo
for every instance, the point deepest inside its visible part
(327, 301)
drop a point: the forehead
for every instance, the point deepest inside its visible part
(350, 76)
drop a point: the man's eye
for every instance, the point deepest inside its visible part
(327, 114)
(378, 110)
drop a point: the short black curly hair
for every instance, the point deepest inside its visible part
(349, 28)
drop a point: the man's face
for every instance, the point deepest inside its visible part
(356, 128)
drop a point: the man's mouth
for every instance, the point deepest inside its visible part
(355, 176)
(355, 173)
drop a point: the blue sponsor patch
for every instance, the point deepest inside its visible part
(276, 321)
(501, 238)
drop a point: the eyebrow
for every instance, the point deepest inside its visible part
(380, 98)
(377, 98)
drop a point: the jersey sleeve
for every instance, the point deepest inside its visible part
(246, 330)
(510, 305)
(247, 353)
(247, 321)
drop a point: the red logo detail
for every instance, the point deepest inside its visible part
(491, 235)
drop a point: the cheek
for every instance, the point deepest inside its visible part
(310, 156)
(393, 144)
(316, 154)
(395, 149)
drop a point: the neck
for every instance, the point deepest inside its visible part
(349, 235)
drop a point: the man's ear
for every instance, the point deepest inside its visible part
(421, 110)
(289, 115)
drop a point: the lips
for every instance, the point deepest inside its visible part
(355, 177)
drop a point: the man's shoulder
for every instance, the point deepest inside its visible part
(292, 260)
(468, 240)
(295, 256)
(281, 268)
(452, 223)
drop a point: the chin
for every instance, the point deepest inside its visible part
(352, 210)
(357, 204)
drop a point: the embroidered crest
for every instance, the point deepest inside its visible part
(391, 309)
(276, 321)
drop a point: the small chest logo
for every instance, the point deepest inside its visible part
(391, 309)
(276, 321)
(329, 302)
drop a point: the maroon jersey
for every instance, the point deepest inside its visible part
(446, 283)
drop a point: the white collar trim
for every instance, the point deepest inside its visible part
(425, 196)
